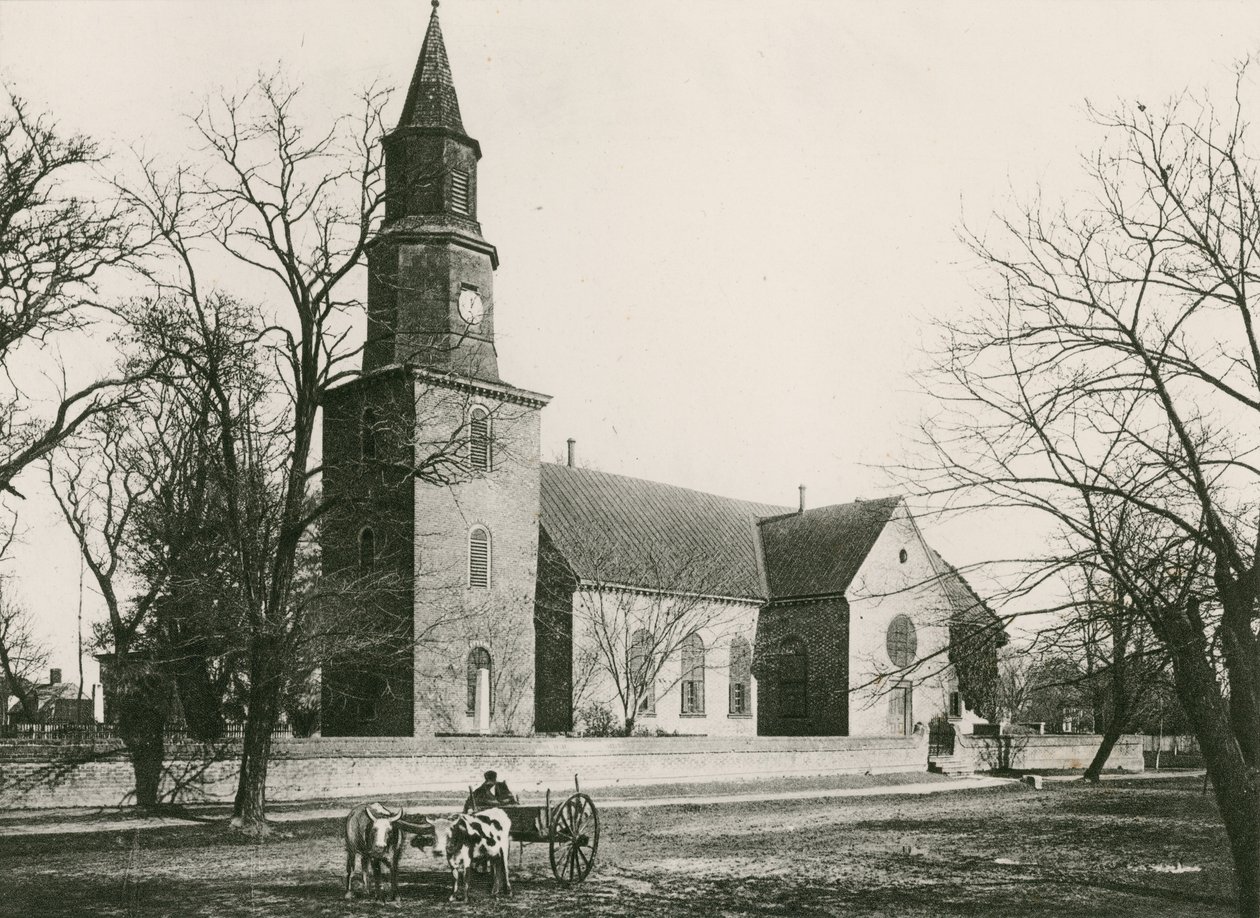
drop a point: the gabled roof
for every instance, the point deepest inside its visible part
(819, 552)
(431, 100)
(967, 604)
(626, 531)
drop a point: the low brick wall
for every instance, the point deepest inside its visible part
(66, 774)
(1024, 752)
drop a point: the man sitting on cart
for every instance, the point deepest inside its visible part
(493, 792)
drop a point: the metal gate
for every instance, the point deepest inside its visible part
(940, 738)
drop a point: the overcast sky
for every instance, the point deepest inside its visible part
(723, 225)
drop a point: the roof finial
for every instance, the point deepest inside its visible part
(435, 4)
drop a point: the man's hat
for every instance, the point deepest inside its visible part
(491, 776)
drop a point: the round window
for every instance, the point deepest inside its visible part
(902, 556)
(903, 643)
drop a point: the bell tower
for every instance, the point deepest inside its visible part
(431, 460)
(431, 272)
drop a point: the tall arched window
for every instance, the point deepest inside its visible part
(902, 642)
(641, 675)
(479, 439)
(741, 676)
(479, 558)
(367, 551)
(367, 434)
(793, 678)
(692, 653)
(478, 658)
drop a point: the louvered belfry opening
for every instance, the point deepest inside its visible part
(479, 559)
(479, 440)
(460, 198)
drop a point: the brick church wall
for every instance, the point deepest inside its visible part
(372, 696)
(822, 627)
(553, 640)
(452, 618)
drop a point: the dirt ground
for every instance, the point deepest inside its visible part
(1141, 848)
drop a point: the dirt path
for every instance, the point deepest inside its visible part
(1067, 850)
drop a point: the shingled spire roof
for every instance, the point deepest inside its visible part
(431, 99)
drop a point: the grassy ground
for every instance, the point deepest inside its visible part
(1067, 850)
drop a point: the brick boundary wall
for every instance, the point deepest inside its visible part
(99, 774)
(1036, 752)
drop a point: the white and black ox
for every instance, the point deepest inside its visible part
(374, 836)
(474, 838)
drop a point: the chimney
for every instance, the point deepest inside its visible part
(802, 490)
(572, 453)
(54, 676)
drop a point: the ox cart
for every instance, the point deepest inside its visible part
(570, 829)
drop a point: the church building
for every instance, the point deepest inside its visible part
(491, 592)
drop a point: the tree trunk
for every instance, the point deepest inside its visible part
(141, 720)
(250, 810)
(1236, 785)
(146, 763)
(1114, 731)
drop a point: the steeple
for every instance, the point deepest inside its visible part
(431, 272)
(431, 100)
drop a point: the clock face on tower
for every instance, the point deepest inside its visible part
(471, 308)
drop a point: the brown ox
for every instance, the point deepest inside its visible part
(372, 834)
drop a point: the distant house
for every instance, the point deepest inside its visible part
(56, 702)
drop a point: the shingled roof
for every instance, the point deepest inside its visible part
(966, 602)
(617, 530)
(431, 100)
(818, 552)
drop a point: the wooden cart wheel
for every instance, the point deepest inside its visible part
(574, 839)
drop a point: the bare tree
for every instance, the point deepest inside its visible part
(99, 488)
(1014, 685)
(299, 207)
(1112, 386)
(59, 235)
(1118, 660)
(634, 610)
(22, 655)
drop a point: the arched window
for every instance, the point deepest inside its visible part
(641, 676)
(367, 551)
(692, 653)
(367, 434)
(741, 677)
(793, 678)
(479, 558)
(479, 439)
(478, 658)
(903, 643)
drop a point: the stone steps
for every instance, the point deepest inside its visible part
(950, 766)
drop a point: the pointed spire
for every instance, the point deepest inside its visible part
(431, 99)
